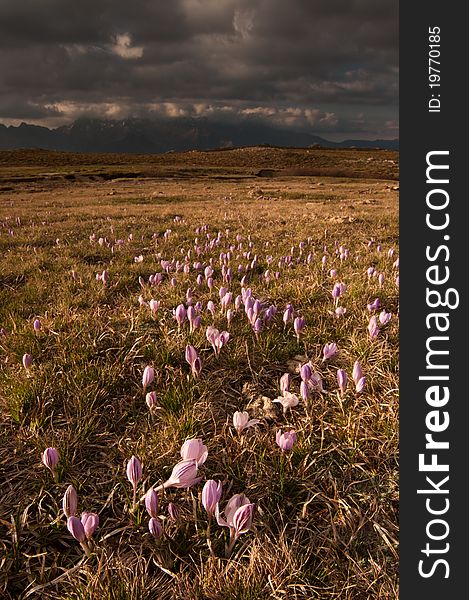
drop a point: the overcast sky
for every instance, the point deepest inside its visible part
(325, 66)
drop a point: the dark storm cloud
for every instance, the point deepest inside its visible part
(63, 58)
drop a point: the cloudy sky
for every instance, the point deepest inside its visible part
(329, 67)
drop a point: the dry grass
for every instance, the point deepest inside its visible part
(326, 522)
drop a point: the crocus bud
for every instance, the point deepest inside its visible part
(50, 457)
(70, 502)
(37, 325)
(285, 382)
(180, 314)
(75, 526)
(151, 502)
(191, 354)
(27, 361)
(342, 380)
(150, 399)
(90, 522)
(155, 528)
(174, 512)
(211, 494)
(305, 391)
(148, 376)
(134, 470)
(360, 385)
(154, 305)
(357, 372)
(306, 372)
(298, 325)
(242, 519)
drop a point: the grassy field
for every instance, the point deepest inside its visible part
(325, 515)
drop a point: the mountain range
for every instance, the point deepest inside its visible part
(155, 136)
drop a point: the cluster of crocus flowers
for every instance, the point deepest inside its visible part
(216, 338)
(151, 505)
(81, 529)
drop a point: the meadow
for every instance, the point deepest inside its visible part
(148, 301)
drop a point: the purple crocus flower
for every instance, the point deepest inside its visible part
(155, 528)
(50, 458)
(184, 475)
(70, 502)
(239, 513)
(152, 502)
(180, 314)
(342, 380)
(148, 376)
(285, 382)
(90, 522)
(360, 384)
(306, 372)
(134, 474)
(357, 373)
(194, 449)
(298, 325)
(373, 329)
(211, 494)
(329, 351)
(75, 526)
(384, 317)
(286, 440)
(27, 361)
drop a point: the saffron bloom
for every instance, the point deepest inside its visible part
(150, 399)
(299, 325)
(241, 421)
(194, 449)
